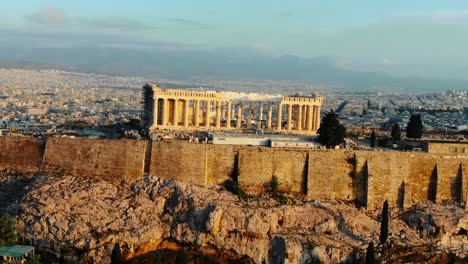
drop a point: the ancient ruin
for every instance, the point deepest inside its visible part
(215, 111)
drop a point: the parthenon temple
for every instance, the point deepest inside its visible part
(220, 111)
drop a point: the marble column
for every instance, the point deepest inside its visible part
(218, 114)
(228, 115)
(196, 117)
(155, 112)
(270, 115)
(164, 112)
(309, 118)
(314, 113)
(299, 118)
(175, 121)
(279, 116)
(289, 127)
(207, 114)
(239, 116)
(318, 117)
(186, 113)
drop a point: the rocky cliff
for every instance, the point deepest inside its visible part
(73, 219)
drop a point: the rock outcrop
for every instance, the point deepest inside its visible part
(82, 219)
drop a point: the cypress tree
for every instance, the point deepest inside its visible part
(372, 139)
(384, 223)
(331, 132)
(396, 132)
(116, 255)
(370, 254)
(415, 127)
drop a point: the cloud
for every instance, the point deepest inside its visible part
(389, 62)
(190, 24)
(53, 16)
(119, 23)
(48, 16)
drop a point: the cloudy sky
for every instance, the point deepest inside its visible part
(397, 36)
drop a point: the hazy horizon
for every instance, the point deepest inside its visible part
(399, 44)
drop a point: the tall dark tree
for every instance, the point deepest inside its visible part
(116, 255)
(415, 127)
(396, 132)
(384, 223)
(331, 132)
(370, 254)
(373, 138)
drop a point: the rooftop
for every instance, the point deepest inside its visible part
(15, 251)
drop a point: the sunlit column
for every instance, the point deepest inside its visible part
(175, 121)
(270, 115)
(279, 116)
(155, 111)
(228, 115)
(164, 112)
(314, 119)
(218, 114)
(289, 127)
(239, 116)
(196, 116)
(309, 118)
(207, 114)
(299, 118)
(318, 118)
(186, 113)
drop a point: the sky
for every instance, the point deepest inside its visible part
(396, 36)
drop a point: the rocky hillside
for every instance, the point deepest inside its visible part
(74, 220)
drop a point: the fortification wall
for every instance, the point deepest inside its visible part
(179, 161)
(366, 177)
(111, 160)
(330, 175)
(258, 165)
(20, 154)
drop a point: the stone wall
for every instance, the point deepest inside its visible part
(20, 154)
(456, 147)
(111, 160)
(365, 177)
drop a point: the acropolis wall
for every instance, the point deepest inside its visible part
(364, 177)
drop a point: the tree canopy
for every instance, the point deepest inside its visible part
(373, 138)
(384, 224)
(396, 132)
(7, 231)
(331, 132)
(415, 127)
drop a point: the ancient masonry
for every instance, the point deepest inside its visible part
(367, 178)
(183, 109)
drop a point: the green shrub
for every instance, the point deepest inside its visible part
(7, 231)
(234, 188)
(274, 184)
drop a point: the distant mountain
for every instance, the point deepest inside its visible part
(186, 64)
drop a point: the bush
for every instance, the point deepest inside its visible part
(234, 188)
(7, 231)
(34, 259)
(274, 184)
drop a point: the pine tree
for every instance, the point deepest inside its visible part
(116, 255)
(331, 132)
(370, 254)
(384, 223)
(396, 132)
(415, 127)
(372, 139)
